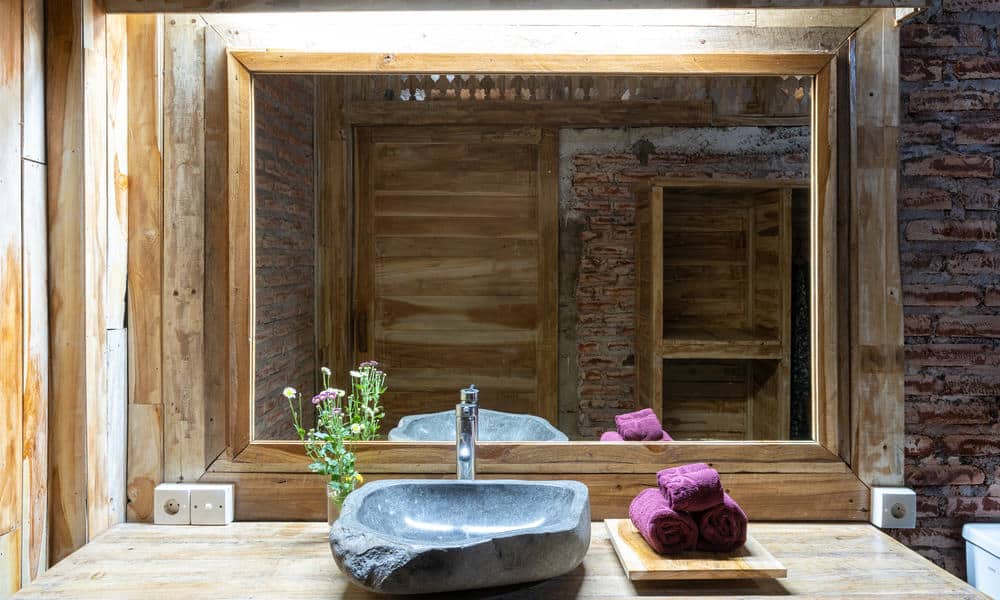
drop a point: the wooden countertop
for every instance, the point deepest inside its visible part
(292, 560)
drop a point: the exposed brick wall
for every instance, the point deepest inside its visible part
(597, 169)
(285, 260)
(948, 201)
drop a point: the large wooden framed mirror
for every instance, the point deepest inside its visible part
(483, 240)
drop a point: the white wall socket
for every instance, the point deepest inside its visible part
(193, 504)
(894, 508)
(172, 504)
(212, 504)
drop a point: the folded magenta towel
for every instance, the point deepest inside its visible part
(611, 436)
(639, 426)
(664, 529)
(722, 528)
(691, 488)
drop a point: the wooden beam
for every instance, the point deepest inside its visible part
(876, 307)
(473, 5)
(11, 282)
(145, 259)
(276, 61)
(334, 216)
(183, 323)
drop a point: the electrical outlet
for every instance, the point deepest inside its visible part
(172, 504)
(894, 508)
(212, 504)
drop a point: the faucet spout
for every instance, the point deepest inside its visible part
(466, 431)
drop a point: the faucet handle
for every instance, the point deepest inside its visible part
(469, 395)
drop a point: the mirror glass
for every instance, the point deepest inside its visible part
(541, 238)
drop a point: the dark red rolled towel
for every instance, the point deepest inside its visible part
(722, 528)
(691, 488)
(664, 529)
(639, 426)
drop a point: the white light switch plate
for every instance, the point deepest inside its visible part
(894, 508)
(212, 504)
(172, 504)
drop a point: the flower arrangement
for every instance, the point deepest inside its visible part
(340, 419)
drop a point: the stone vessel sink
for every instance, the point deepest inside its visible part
(494, 426)
(411, 536)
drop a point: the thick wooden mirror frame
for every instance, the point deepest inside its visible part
(856, 330)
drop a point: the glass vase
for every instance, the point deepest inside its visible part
(333, 506)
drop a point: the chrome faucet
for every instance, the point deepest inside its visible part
(466, 430)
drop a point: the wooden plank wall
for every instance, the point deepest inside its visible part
(87, 201)
(24, 379)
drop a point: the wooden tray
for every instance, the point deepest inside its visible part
(752, 561)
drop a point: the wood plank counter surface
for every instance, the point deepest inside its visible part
(293, 560)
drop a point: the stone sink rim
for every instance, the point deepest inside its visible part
(566, 522)
(399, 434)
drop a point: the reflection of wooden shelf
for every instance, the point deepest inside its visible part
(718, 343)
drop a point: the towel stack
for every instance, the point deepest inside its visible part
(690, 510)
(639, 426)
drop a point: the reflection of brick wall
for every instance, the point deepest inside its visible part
(283, 161)
(597, 168)
(949, 198)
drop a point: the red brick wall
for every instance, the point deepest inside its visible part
(948, 201)
(283, 159)
(598, 168)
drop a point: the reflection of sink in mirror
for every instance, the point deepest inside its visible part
(413, 536)
(494, 426)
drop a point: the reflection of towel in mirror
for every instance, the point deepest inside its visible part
(664, 529)
(691, 488)
(611, 436)
(723, 528)
(639, 426)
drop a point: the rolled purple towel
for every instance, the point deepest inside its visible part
(611, 436)
(722, 528)
(642, 425)
(691, 488)
(664, 529)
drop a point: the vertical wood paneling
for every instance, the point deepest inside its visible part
(10, 270)
(877, 315)
(145, 238)
(333, 226)
(116, 368)
(67, 307)
(117, 148)
(183, 249)
(216, 249)
(33, 90)
(10, 559)
(34, 521)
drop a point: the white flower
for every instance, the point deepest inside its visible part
(355, 428)
(356, 374)
(289, 392)
(337, 392)
(326, 371)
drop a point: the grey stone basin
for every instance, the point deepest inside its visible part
(494, 426)
(412, 536)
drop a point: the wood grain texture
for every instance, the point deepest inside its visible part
(68, 308)
(33, 80)
(35, 387)
(117, 177)
(10, 563)
(183, 249)
(877, 315)
(11, 280)
(334, 216)
(659, 64)
(145, 261)
(216, 248)
(239, 375)
(649, 298)
(642, 563)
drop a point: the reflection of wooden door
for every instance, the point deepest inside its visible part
(457, 279)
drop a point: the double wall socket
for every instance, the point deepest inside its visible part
(193, 504)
